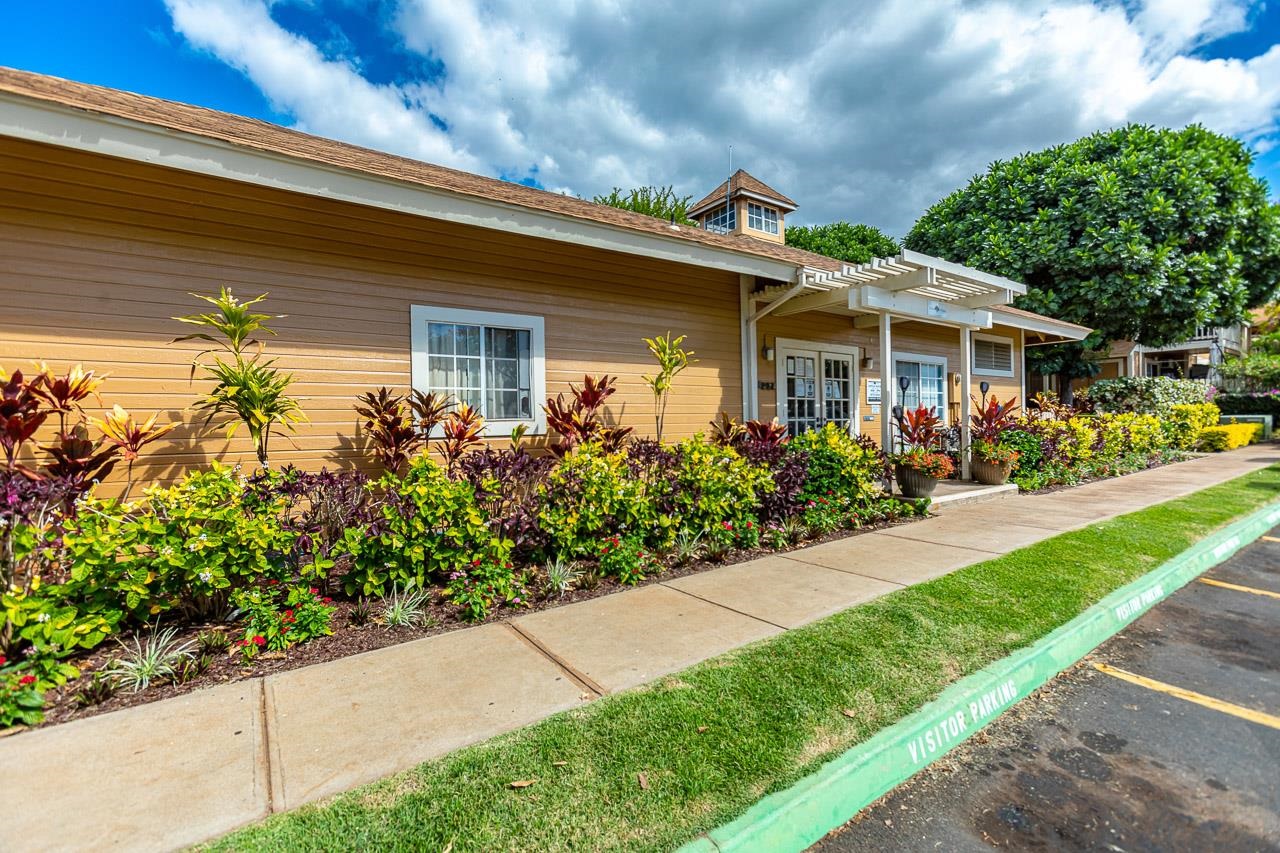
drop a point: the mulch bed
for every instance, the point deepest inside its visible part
(62, 705)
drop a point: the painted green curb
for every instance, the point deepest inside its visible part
(797, 817)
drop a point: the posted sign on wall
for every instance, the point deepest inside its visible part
(873, 390)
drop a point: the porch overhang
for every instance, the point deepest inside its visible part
(910, 285)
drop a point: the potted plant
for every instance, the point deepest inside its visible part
(990, 460)
(920, 465)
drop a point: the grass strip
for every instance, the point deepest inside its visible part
(714, 739)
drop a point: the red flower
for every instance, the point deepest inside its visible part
(288, 614)
(259, 640)
(27, 679)
(475, 562)
(327, 600)
(272, 582)
(2, 660)
(315, 591)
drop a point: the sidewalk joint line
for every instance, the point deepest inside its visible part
(1260, 717)
(722, 606)
(1238, 588)
(575, 675)
(948, 545)
(267, 763)
(788, 556)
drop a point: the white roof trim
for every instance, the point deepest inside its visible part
(1043, 325)
(83, 130)
(927, 277)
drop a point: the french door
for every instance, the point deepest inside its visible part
(815, 387)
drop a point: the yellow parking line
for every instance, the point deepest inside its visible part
(1238, 588)
(1249, 714)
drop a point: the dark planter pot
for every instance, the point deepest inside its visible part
(990, 473)
(912, 483)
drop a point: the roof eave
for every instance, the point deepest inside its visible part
(39, 120)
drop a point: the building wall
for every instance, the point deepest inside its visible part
(97, 255)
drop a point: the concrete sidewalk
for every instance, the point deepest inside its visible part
(183, 770)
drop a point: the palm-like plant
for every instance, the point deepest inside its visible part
(462, 430)
(430, 409)
(247, 389)
(78, 459)
(64, 394)
(20, 416)
(672, 360)
(120, 429)
(389, 427)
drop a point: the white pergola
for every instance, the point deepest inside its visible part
(908, 286)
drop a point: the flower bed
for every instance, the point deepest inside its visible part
(223, 575)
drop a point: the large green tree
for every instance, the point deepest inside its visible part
(847, 241)
(1140, 233)
(661, 202)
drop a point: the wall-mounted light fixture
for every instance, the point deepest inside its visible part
(768, 353)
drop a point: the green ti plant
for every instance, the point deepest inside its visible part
(247, 389)
(672, 361)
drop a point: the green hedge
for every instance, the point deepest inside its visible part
(1149, 395)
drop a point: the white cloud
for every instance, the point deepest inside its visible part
(863, 112)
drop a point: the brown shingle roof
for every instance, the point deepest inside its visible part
(267, 137)
(743, 181)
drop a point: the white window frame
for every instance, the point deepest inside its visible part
(922, 359)
(758, 213)
(1000, 339)
(853, 353)
(730, 214)
(422, 315)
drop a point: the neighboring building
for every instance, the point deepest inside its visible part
(114, 207)
(1195, 358)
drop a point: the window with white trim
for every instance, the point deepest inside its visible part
(491, 361)
(723, 218)
(928, 386)
(992, 355)
(762, 218)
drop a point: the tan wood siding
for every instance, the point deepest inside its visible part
(97, 255)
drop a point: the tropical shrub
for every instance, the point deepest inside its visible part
(186, 546)
(714, 484)
(1258, 372)
(839, 464)
(1216, 439)
(429, 527)
(283, 615)
(1184, 421)
(1151, 395)
(21, 700)
(590, 493)
(318, 509)
(506, 484)
(485, 582)
(626, 559)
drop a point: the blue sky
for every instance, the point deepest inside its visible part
(850, 118)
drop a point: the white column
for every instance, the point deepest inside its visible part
(1022, 368)
(746, 283)
(966, 382)
(888, 384)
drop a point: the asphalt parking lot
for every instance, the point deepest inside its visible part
(1166, 738)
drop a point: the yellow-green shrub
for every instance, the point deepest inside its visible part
(592, 493)
(714, 484)
(1216, 439)
(1184, 422)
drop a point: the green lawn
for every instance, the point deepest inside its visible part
(715, 738)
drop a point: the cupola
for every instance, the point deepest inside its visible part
(746, 206)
